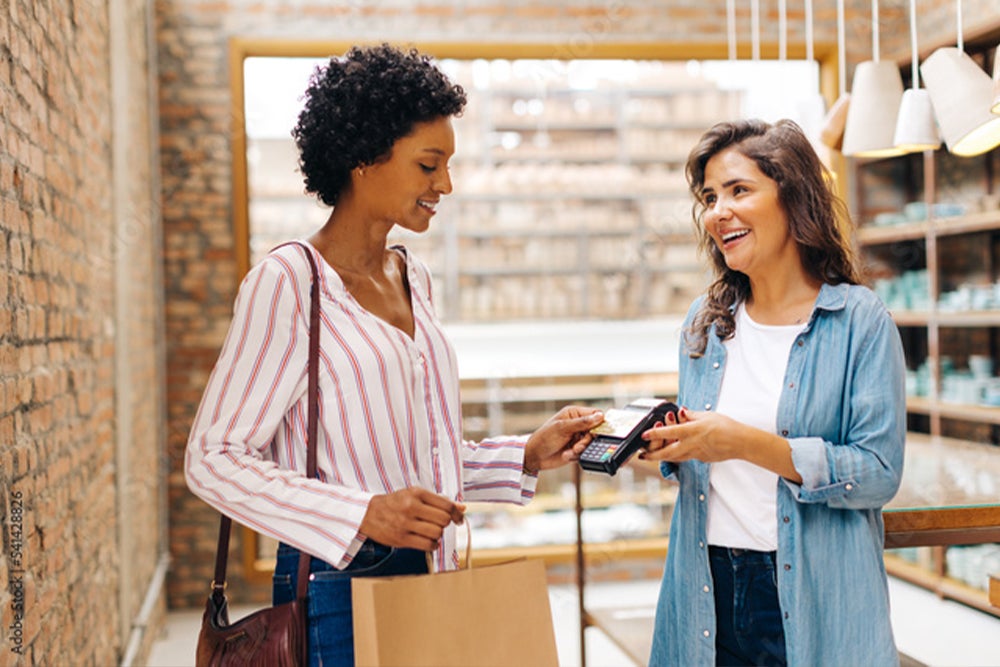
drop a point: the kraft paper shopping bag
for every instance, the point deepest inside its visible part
(492, 616)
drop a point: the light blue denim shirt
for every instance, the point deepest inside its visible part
(843, 411)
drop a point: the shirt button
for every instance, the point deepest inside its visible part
(801, 342)
(705, 588)
(786, 519)
(784, 432)
(708, 406)
(791, 385)
(706, 633)
(849, 487)
(701, 545)
(701, 496)
(787, 567)
(715, 365)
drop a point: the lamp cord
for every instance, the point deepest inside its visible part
(809, 30)
(915, 84)
(841, 48)
(958, 12)
(875, 53)
(782, 30)
(731, 27)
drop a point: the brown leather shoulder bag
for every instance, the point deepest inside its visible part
(276, 636)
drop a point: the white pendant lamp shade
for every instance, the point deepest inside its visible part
(916, 129)
(871, 117)
(962, 95)
(832, 133)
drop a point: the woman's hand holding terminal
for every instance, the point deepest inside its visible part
(706, 436)
(712, 437)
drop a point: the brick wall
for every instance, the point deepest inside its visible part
(200, 266)
(84, 433)
(62, 339)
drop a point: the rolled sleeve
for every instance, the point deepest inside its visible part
(809, 459)
(668, 470)
(809, 456)
(493, 471)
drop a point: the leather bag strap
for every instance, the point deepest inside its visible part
(225, 524)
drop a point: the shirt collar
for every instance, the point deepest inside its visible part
(833, 297)
(830, 297)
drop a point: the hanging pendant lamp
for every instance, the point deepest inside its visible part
(832, 133)
(812, 108)
(916, 128)
(962, 95)
(876, 94)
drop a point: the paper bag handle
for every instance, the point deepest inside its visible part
(429, 555)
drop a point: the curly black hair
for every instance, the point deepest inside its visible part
(358, 105)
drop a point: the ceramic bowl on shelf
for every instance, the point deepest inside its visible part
(948, 210)
(915, 211)
(888, 219)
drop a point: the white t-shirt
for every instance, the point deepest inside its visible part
(742, 501)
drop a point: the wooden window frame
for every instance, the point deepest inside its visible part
(259, 569)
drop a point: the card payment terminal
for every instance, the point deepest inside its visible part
(619, 436)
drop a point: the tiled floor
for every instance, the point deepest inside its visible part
(935, 632)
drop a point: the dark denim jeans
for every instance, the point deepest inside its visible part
(748, 616)
(331, 633)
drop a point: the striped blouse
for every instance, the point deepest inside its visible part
(389, 414)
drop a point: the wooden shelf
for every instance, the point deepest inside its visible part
(872, 235)
(920, 405)
(969, 318)
(967, 224)
(942, 585)
(911, 318)
(972, 223)
(554, 554)
(983, 414)
(945, 318)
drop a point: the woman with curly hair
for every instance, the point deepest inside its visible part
(791, 438)
(375, 137)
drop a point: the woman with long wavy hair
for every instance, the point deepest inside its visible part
(790, 439)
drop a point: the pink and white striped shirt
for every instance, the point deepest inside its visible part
(389, 414)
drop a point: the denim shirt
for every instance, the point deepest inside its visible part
(843, 410)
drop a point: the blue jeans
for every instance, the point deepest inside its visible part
(331, 631)
(748, 616)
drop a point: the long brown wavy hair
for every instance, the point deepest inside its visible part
(818, 220)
